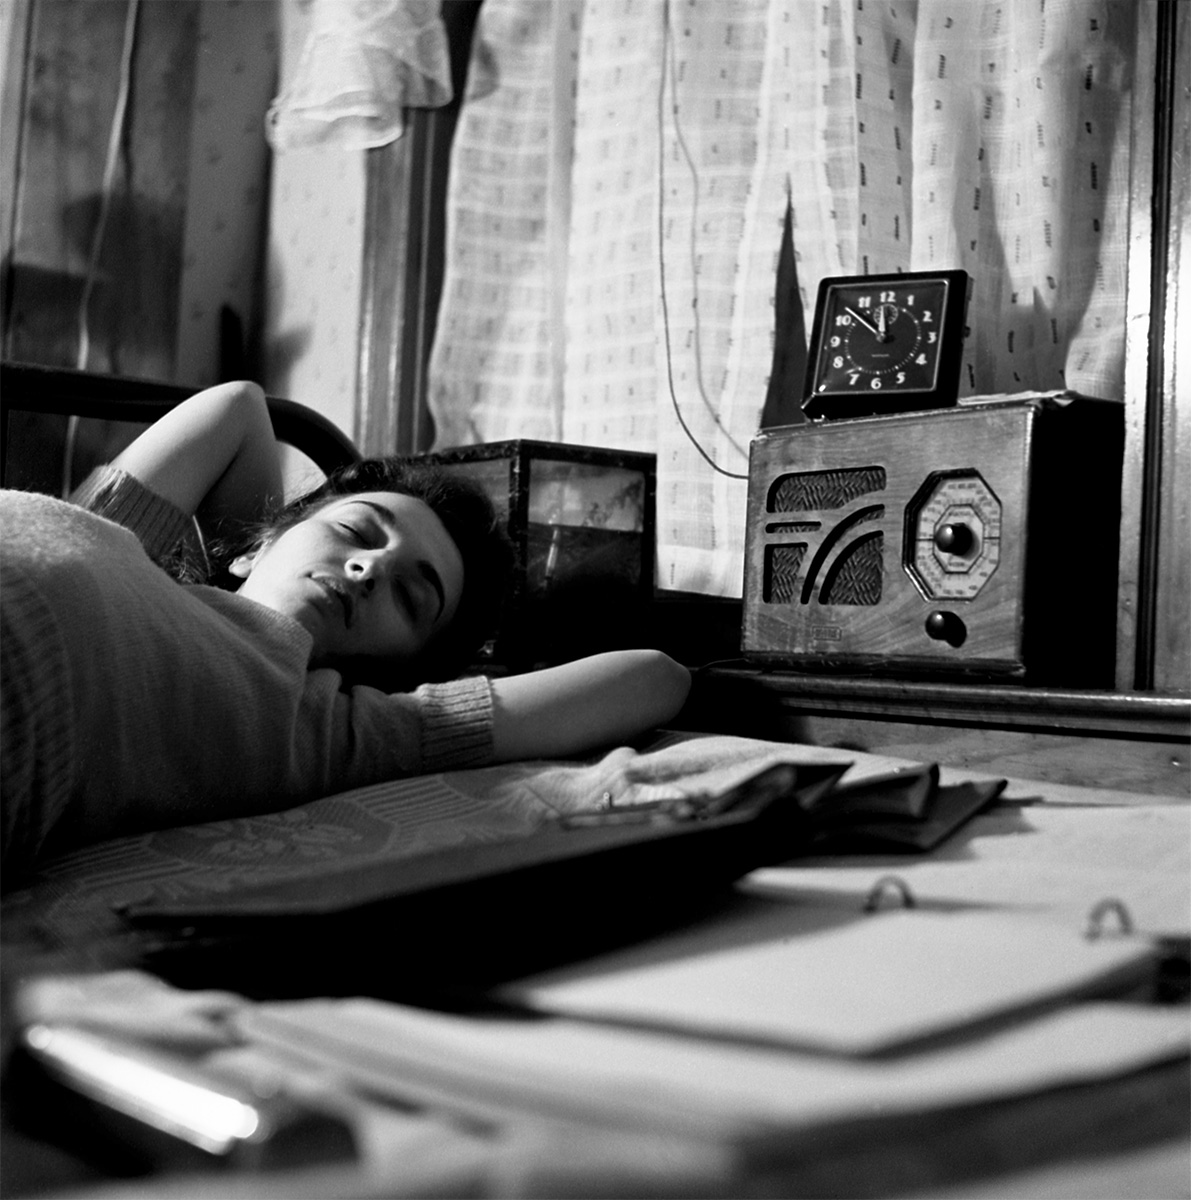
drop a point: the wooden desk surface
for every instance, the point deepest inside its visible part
(1139, 743)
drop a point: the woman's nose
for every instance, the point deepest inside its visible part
(365, 569)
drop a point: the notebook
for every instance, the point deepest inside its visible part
(843, 981)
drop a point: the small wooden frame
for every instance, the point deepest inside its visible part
(581, 520)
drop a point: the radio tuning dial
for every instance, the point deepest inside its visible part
(955, 539)
(953, 536)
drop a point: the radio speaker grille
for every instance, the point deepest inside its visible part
(813, 491)
(782, 564)
(850, 564)
(855, 576)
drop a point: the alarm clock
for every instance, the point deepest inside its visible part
(980, 540)
(886, 344)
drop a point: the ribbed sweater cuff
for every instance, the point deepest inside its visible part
(158, 523)
(456, 723)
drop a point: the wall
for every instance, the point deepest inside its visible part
(314, 264)
(174, 286)
(127, 256)
(227, 189)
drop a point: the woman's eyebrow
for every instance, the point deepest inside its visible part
(427, 569)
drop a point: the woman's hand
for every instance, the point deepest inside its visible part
(583, 705)
(214, 456)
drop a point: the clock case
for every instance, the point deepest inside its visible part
(840, 405)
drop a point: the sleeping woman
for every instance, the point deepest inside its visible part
(132, 701)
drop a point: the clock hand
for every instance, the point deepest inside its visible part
(867, 324)
(885, 312)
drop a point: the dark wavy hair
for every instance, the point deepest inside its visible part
(469, 518)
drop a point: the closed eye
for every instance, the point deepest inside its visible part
(405, 600)
(434, 580)
(356, 535)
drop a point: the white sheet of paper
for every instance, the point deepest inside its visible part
(861, 983)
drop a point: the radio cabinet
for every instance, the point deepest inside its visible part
(980, 540)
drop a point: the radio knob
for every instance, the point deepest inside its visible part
(945, 626)
(955, 539)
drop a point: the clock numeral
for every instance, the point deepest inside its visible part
(901, 377)
(875, 385)
(889, 298)
(835, 340)
(927, 316)
(843, 319)
(921, 360)
(854, 378)
(931, 337)
(837, 361)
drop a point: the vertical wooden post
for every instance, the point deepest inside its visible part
(1154, 637)
(405, 233)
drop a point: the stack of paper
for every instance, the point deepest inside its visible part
(503, 1067)
(840, 980)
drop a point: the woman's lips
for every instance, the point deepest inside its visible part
(336, 588)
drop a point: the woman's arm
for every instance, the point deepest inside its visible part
(582, 705)
(214, 456)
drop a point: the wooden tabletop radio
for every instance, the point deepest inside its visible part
(980, 539)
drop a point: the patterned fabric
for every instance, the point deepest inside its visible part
(1022, 125)
(68, 909)
(622, 172)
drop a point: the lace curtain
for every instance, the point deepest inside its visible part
(362, 63)
(620, 179)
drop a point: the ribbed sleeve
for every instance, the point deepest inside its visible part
(158, 523)
(456, 723)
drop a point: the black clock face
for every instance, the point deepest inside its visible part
(886, 344)
(882, 337)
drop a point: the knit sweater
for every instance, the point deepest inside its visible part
(130, 701)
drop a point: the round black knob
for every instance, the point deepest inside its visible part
(945, 626)
(955, 539)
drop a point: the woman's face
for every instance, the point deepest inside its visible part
(370, 576)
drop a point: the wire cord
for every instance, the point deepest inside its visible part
(667, 53)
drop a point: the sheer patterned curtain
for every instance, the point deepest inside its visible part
(363, 62)
(621, 175)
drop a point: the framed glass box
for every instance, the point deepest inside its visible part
(581, 520)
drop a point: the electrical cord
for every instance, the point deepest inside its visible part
(667, 52)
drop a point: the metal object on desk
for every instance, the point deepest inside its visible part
(980, 539)
(163, 1108)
